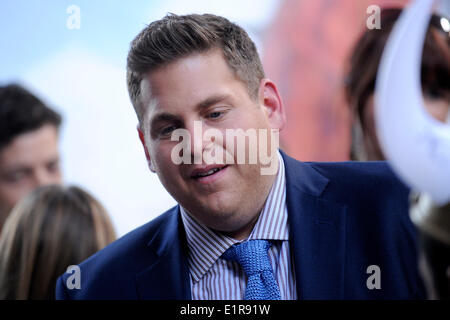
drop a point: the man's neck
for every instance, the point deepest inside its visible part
(245, 231)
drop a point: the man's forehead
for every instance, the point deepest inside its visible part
(172, 77)
(29, 147)
(20, 153)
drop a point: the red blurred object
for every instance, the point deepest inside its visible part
(306, 51)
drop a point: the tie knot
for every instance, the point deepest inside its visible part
(251, 255)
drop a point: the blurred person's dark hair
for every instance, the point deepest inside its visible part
(21, 112)
(174, 37)
(48, 230)
(363, 68)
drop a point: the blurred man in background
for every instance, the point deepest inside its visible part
(29, 155)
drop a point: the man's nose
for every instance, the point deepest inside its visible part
(197, 143)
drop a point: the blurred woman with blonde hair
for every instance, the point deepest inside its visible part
(51, 228)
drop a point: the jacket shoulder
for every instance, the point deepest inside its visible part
(373, 180)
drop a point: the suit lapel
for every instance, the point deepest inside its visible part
(317, 231)
(168, 277)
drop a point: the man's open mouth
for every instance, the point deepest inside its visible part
(208, 171)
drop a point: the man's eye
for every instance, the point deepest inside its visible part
(215, 114)
(167, 130)
(53, 166)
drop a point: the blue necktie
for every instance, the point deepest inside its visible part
(252, 256)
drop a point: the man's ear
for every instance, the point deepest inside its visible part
(147, 155)
(271, 101)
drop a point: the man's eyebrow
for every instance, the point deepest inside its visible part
(164, 116)
(211, 101)
(161, 117)
(15, 170)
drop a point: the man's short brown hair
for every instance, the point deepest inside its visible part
(175, 37)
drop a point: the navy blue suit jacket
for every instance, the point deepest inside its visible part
(343, 217)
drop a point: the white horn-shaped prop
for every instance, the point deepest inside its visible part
(417, 145)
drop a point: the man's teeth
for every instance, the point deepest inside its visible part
(210, 172)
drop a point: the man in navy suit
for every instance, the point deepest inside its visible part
(336, 230)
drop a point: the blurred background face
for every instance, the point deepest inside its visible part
(186, 91)
(438, 108)
(29, 161)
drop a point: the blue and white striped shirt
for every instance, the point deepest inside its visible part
(214, 278)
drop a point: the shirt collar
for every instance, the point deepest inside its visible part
(206, 245)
